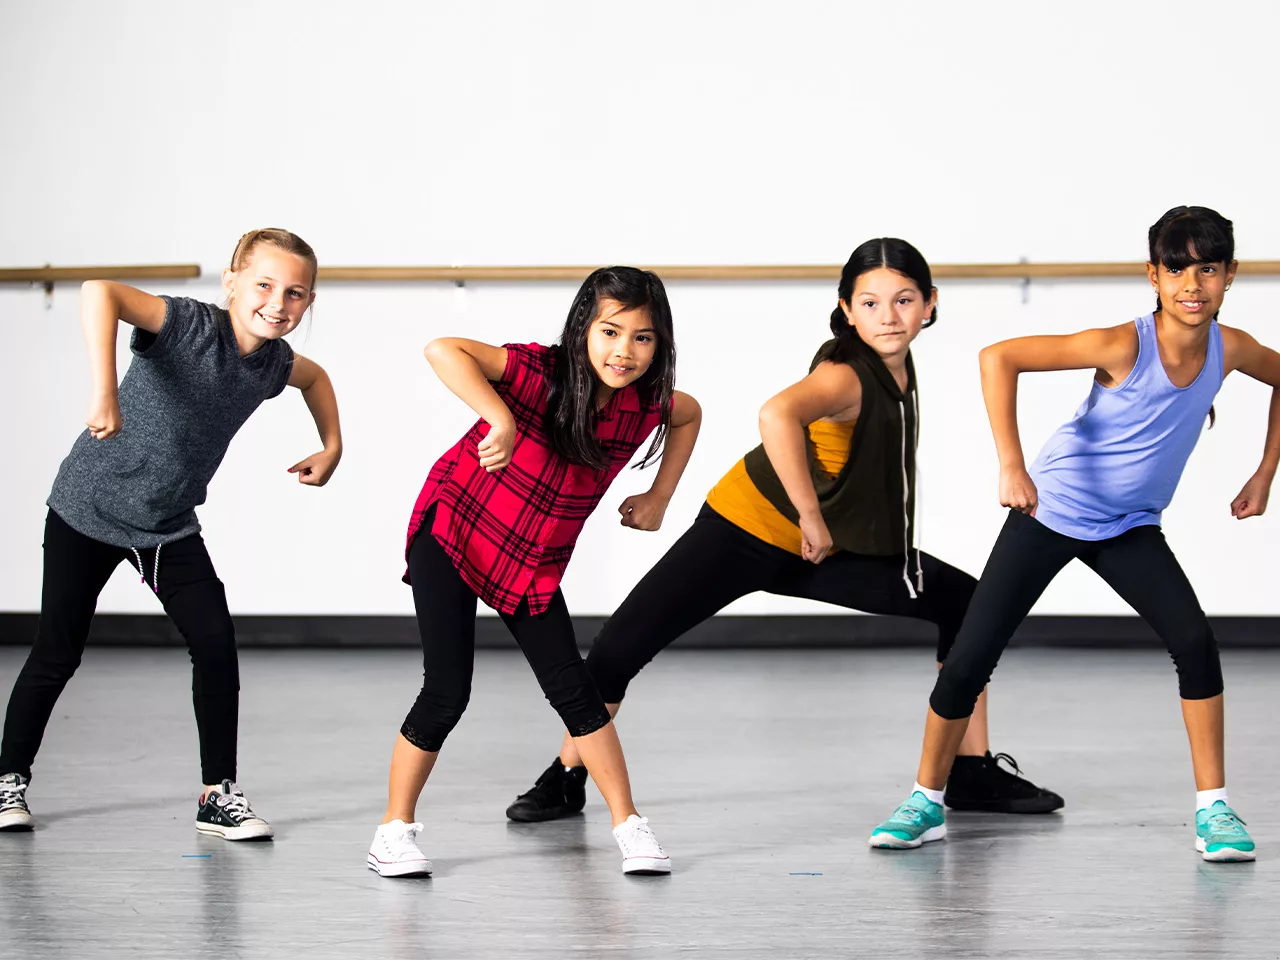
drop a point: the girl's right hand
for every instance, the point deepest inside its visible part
(815, 539)
(104, 420)
(495, 449)
(1018, 490)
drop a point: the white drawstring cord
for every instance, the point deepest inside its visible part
(906, 515)
(915, 406)
(155, 576)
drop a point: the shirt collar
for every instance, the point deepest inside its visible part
(626, 400)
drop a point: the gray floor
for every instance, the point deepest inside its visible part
(762, 774)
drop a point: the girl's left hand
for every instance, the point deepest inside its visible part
(316, 470)
(1252, 499)
(644, 511)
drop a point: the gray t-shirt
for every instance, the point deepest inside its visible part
(185, 395)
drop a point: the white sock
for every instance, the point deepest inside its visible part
(1207, 798)
(934, 795)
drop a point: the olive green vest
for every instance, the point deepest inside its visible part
(865, 506)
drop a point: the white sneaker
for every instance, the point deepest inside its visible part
(14, 814)
(641, 851)
(395, 852)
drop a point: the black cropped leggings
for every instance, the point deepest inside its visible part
(1138, 565)
(446, 609)
(715, 562)
(76, 568)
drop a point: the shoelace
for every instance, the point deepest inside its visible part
(908, 813)
(406, 838)
(1017, 771)
(11, 794)
(237, 804)
(547, 776)
(1226, 823)
(537, 785)
(639, 832)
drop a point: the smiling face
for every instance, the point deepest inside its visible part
(1193, 294)
(888, 310)
(268, 295)
(621, 343)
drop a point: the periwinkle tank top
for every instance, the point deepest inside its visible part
(1116, 464)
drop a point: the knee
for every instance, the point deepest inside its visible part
(434, 715)
(1195, 656)
(610, 670)
(574, 696)
(956, 691)
(215, 661)
(49, 666)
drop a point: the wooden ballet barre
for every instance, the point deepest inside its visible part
(49, 275)
(954, 271)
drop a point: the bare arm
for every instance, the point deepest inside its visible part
(466, 367)
(103, 304)
(831, 390)
(1112, 352)
(1244, 353)
(645, 511)
(317, 391)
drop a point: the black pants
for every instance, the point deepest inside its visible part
(715, 562)
(76, 568)
(1138, 565)
(446, 609)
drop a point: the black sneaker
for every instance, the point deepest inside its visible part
(978, 783)
(225, 813)
(14, 814)
(557, 793)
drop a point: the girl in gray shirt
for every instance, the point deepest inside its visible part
(130, 486)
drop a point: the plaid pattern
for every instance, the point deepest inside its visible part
(511, 533)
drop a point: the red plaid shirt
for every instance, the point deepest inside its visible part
(511, 533)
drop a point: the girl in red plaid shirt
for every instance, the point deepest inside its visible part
(499, 515)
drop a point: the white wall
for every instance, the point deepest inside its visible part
(659, 132)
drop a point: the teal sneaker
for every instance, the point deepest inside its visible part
(919, 820)
(1221, 836)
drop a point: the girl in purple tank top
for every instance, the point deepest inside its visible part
(1096, 493)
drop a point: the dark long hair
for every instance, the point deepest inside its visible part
(571, 406)
(1189, 235)
(888, 252)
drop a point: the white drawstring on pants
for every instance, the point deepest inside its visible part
(155, 576)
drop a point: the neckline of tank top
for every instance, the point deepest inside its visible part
(1150, 320)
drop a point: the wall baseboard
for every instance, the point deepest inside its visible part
(722, 632)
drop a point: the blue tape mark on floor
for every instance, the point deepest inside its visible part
(804, 873)
(196, 856)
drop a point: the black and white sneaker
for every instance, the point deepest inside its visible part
(14, 814)
(557, 793)
(225, 812)
(979, 783)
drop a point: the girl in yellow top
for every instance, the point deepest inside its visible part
(822, 509)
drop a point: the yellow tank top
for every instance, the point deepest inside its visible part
(736, 498)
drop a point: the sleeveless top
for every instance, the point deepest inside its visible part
(1116, 464)
(869, 507)
(736, 498)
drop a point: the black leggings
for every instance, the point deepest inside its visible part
(1138, 565)
(76, 568)
(446, 609)
(715, 562)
